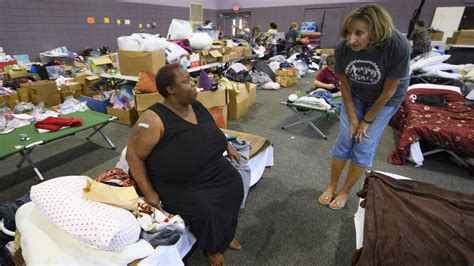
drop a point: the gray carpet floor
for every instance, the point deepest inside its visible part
(282, 223)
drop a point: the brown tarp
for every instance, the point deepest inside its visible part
(414, 223)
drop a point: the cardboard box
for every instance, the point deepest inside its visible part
(247, 51)
(327, 51)
(436, 35)
(252, 89)
(11, 100)
(99, 64)
(17, 74)
(23, 93)
(132, 63)
(74, 87)
(65, 94)
(213, 98)
(87, 81)
(195, 60)
(286, 81)
(126, 117)
(238, 102)
(466, 37)
(239, 51)
(144, 100)
(44, 91)
(258, 143)
(292, 72)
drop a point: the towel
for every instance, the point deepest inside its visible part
(55, 123)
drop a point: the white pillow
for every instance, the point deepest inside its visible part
(200, 41)
(99, 225)
(431, 61)
(127, 43)
(442, 66)
(442, 74)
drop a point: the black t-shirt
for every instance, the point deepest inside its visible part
(367, 70)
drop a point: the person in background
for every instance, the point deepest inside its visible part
(244, 30)
(257, 34)
(272, 32)
(291, 37)
(207, 24)
(421, 39)
(175, 153)
(373, 63)
(327, 78)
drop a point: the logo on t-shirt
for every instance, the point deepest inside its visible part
(363, 71)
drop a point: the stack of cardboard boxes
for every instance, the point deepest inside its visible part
(286, 77)
(224, 103)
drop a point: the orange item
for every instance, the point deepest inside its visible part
(146, 83)
(218, 115)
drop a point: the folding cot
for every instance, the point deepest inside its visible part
(11, 144)
(307, 113)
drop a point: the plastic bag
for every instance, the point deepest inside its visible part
(180, 30)
(23, 107)
(200, 41)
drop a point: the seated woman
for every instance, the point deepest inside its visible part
(327, 78)
(175, 154)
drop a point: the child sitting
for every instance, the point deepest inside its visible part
(327, 78)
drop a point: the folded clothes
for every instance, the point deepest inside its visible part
(55, 123)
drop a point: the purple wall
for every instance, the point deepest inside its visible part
(32, 26)
(401, 11)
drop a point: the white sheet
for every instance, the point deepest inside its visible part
(435, 87)
(360, 214)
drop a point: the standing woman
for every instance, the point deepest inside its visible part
(291, 37)
(373, 63)
(272, 32)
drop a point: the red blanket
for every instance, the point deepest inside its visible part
(449, 128)
(55, 123)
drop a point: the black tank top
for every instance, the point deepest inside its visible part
(186, 153)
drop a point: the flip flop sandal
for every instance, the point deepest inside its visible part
(325, 197)
(340, 204)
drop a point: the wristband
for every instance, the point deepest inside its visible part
(365, 120)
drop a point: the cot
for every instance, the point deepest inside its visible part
(307, 113)
(449, 129)
(11, 144)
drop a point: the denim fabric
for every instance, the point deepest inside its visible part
(362, 153)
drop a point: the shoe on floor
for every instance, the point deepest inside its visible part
(338, 203)
(325, 198)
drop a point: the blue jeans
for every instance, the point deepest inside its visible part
(361, 153)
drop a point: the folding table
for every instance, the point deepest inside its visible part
(10, 143)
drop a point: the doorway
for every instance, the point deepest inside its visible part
(231, 19)
(329, 21)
